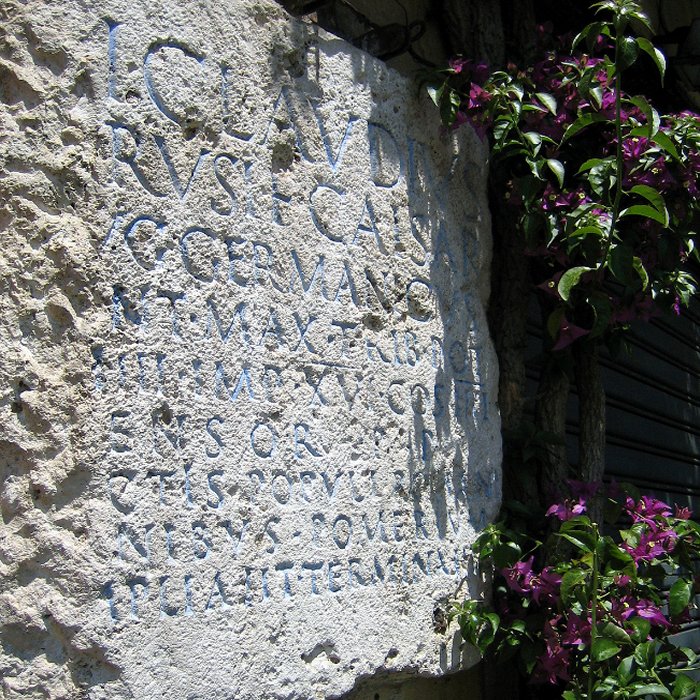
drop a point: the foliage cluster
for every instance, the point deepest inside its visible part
(605, 193)
(605, 188)
(586, 611)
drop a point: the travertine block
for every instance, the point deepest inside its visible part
(248, 410)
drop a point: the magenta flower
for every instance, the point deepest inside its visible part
(568, 509)
(655, 175)
(689, 174)
(642, 608)
(545, 587)
(589, 61)
(553, 665)
(646, 509)
(641, 307)
(683, 513)
(480, 72)
(476, 72)
(551, 286)
(584, 489)
(519, 576)
(652, 545)
(458, 64)
(550, 199)
(460, 118)
(607, 106)
(633, 148)
(578, 630)
(550, 631)
(478, 97)
(568, 333)
(604, 218)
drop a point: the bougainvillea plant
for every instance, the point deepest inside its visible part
(585, 611)
(604, 192)
(606, 189)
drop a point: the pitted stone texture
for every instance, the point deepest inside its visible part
(249, 413)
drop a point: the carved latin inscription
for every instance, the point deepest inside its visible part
(296, 388)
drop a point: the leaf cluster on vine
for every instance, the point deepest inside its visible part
(604, 188)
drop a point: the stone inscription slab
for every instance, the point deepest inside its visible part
(293, 430)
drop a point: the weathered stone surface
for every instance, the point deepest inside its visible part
(248, 397)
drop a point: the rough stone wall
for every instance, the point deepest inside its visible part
(52, 303)
(247, 403)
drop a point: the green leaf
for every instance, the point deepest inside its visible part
(554, 321)
(518, 626)
(494, 619)
(500, 129)
(602, 309)
(625, 670)
(577, 523)
(535, 167)
(477, 627)
(612, 510)
(601, 179)
(613, 632)
(506, 554)
(435, 92)
(603, 649)
(449, 105)
(590, 34)
(548, 101)
(576, 541)
(641, 629)
(679, 597)
(660, 212)
(569, 280)
(659, 59)
(641, 271)
(581, 123)
(652, 116)
(683, 686)
(591, 163)
(651, 195)
(584, 231)
(628, 52)
(535, 140)
(515, 89)
(641, 17)
(620, 263)
(613, 550)
(653, 689)
(689, 654)
(533, 137)
(666, 143)
(645, 653)
(585, 83)
(596, 94)
(647, 212)
(569, 582)
(557, 168)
